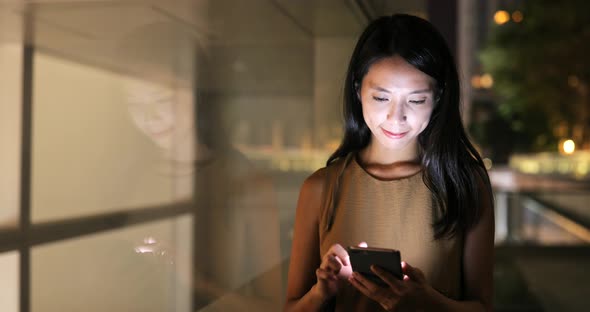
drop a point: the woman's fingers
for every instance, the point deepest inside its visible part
(335, 260)
(366, 284)
(389, 296)
(325, 275)
(340, 253)
(412, 272)
(355, 281)
(387, 277)
(379, 294)
(332, 264)
(326, 282)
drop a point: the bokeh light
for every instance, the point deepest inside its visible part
(569, 146)
(486, 81)
(517, 16)
(501, 17)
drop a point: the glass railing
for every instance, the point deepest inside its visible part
(542, 246)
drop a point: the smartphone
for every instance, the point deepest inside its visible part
(361, 259)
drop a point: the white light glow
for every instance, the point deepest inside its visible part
(569, 146)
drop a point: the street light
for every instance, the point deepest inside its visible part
(501, 17)
(567, 146)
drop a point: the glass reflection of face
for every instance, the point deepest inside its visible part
(162, 113)
(152, 110)
(397, 101)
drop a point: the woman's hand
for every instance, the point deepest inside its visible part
(333, 272)
(409, 292)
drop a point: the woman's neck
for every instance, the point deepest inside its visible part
(387, 164)
(375, 153)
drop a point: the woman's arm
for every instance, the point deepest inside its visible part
(302, 294)
(478, 263)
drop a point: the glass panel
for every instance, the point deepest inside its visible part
(141, 268)
(573, 203)
(237, 265)
(540, 219)
(116, 143)
(9, 283)
(255, 114)
(11, 54)
(113, 97)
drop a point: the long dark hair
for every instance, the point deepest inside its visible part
(454, 170)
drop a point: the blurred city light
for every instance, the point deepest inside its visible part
(575, 165)
(573, 81)
(582, 170)
(569, 146)
(486, 81)
(476, 81)
(487, 163)
(501, 17)
(517, 16)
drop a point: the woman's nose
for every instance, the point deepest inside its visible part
(397, 113)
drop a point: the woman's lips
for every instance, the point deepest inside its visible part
(160, 132)
(394, 135)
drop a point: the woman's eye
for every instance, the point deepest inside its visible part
(379, 99)
(417, 101)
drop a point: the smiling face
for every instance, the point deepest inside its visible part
(397, 101)
(162, 113)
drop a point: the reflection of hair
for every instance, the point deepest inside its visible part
(211, 125)
(163, 52)
(453, 167)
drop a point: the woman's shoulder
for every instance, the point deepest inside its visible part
(315, 184)
(318, 179)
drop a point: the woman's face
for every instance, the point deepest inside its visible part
(162, 113)
(397, 101)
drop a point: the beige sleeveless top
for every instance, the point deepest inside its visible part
(395, 214)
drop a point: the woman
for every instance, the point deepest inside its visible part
(405, 177)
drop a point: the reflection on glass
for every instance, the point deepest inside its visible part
(88, 156)
(165, 115)
(152, 110)
(9, 283)
(237, 226)
(104, 272)
(237, 238)
(159, 58)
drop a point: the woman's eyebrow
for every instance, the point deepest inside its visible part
(413, 92)
(378, 88)
(427, 90)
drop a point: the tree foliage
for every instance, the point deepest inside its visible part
(541, 69)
